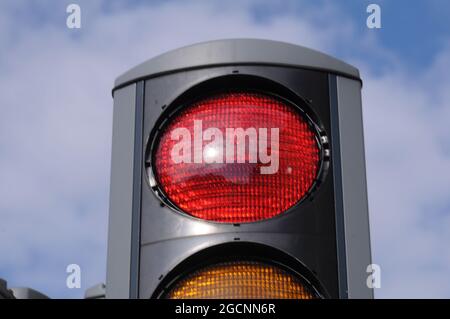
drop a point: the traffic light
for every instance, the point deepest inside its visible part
(238, 172)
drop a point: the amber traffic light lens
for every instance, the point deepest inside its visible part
(241, 280)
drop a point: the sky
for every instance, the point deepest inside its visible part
(56, 123)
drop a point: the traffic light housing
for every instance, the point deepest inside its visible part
(251, 231)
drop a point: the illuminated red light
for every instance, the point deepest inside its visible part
(265, 171)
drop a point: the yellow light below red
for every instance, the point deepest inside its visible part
(240, 280)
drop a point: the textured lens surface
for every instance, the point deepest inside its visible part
(236, 191)
(240, 280)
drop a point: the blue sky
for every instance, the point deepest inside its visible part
(56, 120)
(414, 30)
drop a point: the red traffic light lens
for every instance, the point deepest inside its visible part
(236, 157)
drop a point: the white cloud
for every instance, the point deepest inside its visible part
(55, 132)
(409, 178)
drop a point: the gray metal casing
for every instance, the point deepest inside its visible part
(121, 194)
(124, 242)
(354, 187)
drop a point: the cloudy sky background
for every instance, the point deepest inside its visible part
(56, 121)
